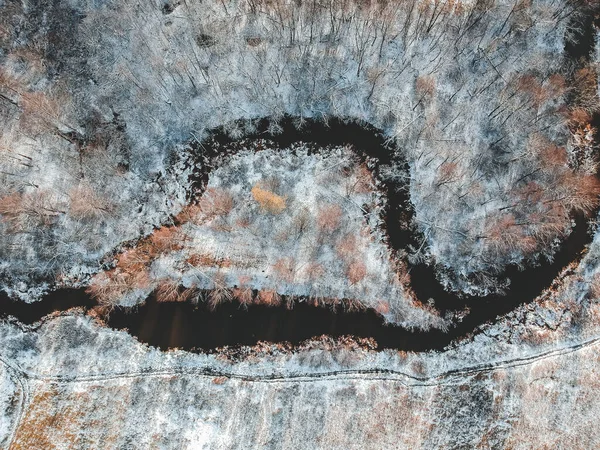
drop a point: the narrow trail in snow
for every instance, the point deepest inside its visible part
(375, 374)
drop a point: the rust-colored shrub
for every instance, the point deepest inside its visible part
(108, 287)
(504, 234)
(30, 209)
(244, 295)
(133, 260)
(166, 239)
(220, 293)
(268, 297)
(267, 200)
(553, 157)
(41, 111)
(11, 207)
(585, 83)
(188, 213)
(352, 305)
(382, 307)
(363, 180)
(206, 260)
(579, 117)
(447, 173)
(329, 217)
(168, 291)
(557, 85)
(356, 271)
(595, 287)
(550, 156)
(401, 274)
(530, 85)
(583, 191)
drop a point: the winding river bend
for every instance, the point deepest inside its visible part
(196, 328)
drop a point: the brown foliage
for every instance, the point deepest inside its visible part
(585, 83)
(10, 207)
(166, 239)
(243, 293)
(504, 234)
(382, 307)
(595, 287)
(582, 191)
(352, 304)
(8, 83)
(30, 209)
(557, 85)
(447, 173)
(41, 111)
(329, 217)
(579, 117)
(108, 287)
(206, 260)
(168, 291)
(220, 293)
(267, 200)
(268, 297)
(530, 85)
(550, 156)
(553, 222)
(553, 156)
(188, 213)
(364, 180)
(532, 193)
(356, 271)
(133, 260)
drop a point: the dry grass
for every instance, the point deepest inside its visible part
(207, 260)
(268, 201)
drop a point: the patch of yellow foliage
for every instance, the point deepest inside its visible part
(267, 200)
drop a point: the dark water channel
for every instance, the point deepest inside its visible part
(194, 327)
